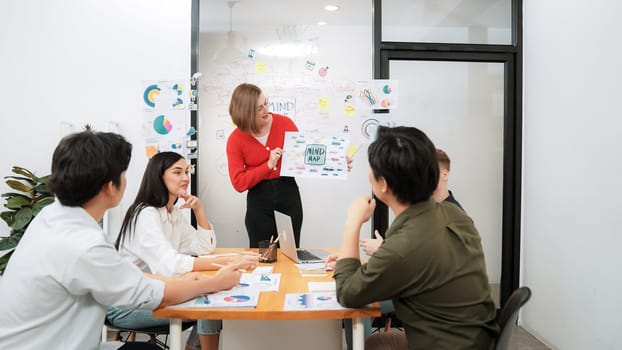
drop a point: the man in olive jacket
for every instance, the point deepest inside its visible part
(431, 263)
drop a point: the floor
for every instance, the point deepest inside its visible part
(521, 340)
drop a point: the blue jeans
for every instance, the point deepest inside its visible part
(141, 318)
(385, 307)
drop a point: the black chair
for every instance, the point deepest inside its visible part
(508, 316)
(139, 346)
(152, 332)
(386, 321)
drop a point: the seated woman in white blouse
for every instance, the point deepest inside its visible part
(156, 237)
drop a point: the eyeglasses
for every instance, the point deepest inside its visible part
(263, 106)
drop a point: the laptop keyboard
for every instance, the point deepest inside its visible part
(306, 255)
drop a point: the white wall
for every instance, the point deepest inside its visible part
(571, 197)
(80, 62)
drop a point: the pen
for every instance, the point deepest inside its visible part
(221, 265)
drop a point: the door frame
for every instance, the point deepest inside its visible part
(511, 57)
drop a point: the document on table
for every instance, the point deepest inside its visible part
(268, 282)
(213, 256)
(263, 270)
(224, 299)
(312, 270)
(322, 286)
(311, 301)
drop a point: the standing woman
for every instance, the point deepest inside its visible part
(157, 238)
(254, 151)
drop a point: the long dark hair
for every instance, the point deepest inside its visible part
(152, 192)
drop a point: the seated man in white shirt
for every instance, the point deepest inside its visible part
(65, 273)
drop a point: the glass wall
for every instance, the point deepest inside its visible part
(459, 105)
(447, 21)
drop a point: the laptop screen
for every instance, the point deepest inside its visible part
(285, 232)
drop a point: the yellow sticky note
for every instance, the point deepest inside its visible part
(261, 67)
(323, 103)
(352, 150)
(349, 110)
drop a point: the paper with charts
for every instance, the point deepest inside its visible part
(245, 294)
(224, 299)
(315, 155)
(311, 301)
(312, 270)
(264, 282)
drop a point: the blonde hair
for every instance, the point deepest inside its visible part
(243, 107)
(443, 159)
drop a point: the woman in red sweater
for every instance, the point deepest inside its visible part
(254, 151)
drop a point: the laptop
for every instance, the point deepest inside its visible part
(285, 231)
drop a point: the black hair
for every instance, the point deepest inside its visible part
(406, 158)
(84, 162)
(151, 193)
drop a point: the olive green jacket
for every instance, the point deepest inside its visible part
(431, 265)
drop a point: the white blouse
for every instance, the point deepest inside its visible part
(161, 242)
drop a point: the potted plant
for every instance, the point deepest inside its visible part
(32, 195)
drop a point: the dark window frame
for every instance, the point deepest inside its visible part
(511, 57)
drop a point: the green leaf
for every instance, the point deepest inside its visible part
(24, 171)
(18, 202)
(40, 204)
(10, 242)
(45, 179)
(11, 194)
(43, 189)
(4, 260)
(21, 178)
(16, 185)
(8, 217)
(22, 218)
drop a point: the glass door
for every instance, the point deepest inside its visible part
(459, 105)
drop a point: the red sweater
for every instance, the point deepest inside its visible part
(248, 158)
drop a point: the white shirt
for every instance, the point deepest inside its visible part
(161, 242)
(61, 279)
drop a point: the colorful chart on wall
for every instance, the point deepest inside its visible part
(164, 94)
(164, 131)
(370, 124)
(315, 155)
(377, 94)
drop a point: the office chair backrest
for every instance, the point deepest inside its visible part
(509, 314)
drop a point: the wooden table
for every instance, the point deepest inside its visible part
(275, 320)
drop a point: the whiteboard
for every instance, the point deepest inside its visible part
(314, 89)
